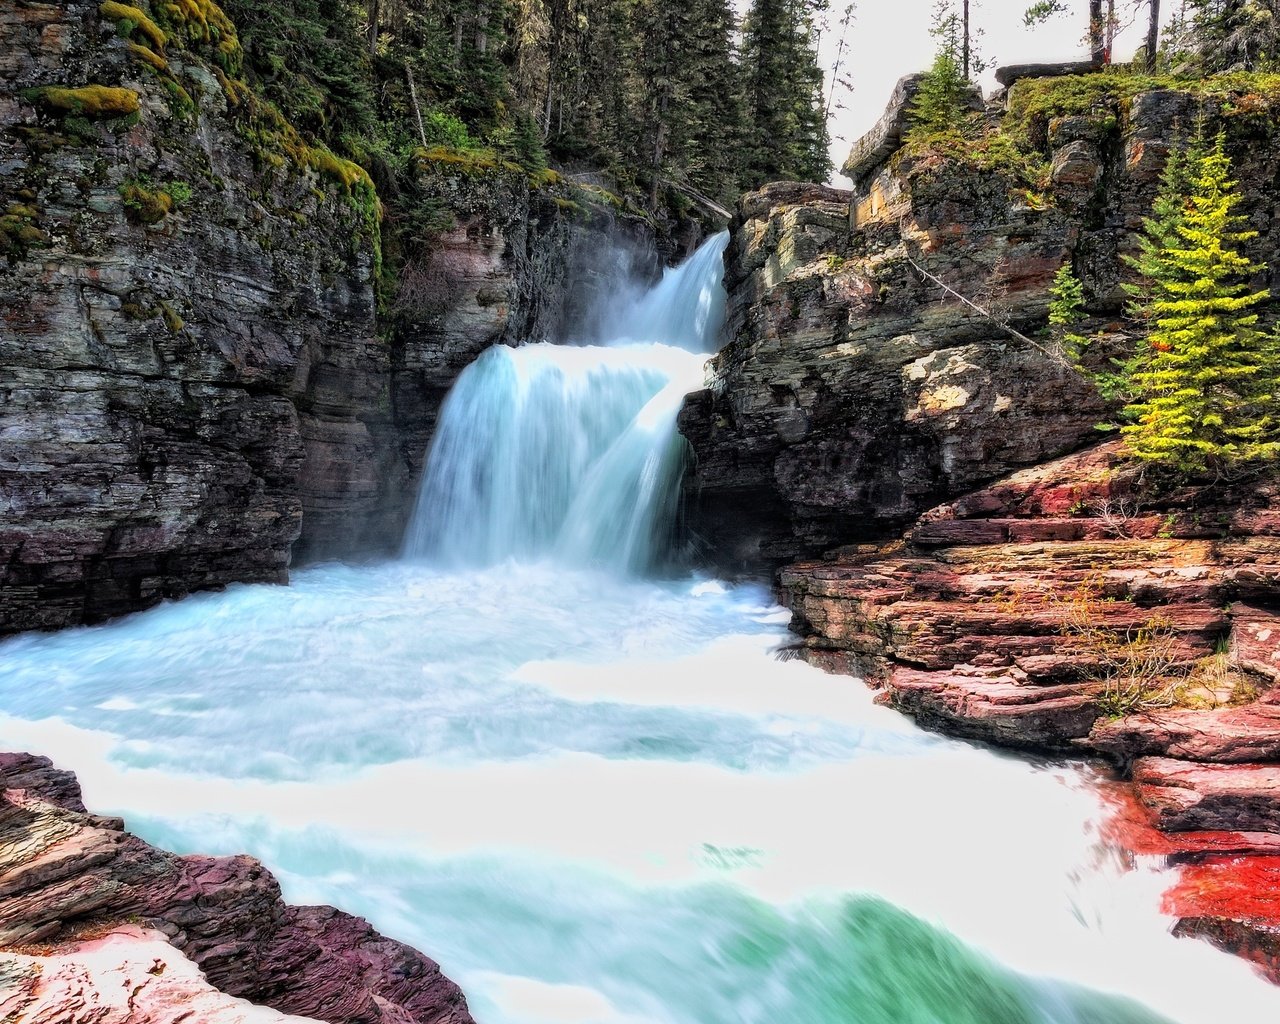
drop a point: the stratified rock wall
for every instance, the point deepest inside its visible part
(175, 373)
(512, 268)
(855, 393)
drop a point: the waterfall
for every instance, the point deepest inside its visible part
(685, 308)
(572, 452)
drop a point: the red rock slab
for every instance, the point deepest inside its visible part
(1228, 883)
(62, 870)
(38, 775)
(129, 976)
(1237, 735)
(993, 706)
(1052, 488)
(1242, 888)
(1184, 795)
(1130, 827)
(1255, 641)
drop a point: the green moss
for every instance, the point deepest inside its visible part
(143, 204)
(349, 173)
(180, 101)
(1035, 102)
(596, 194)
(545, 178)
(148, 57)
(468, 161)
(92, 101)
(980, 148)
(130, 19)
(202, 24)
(172, 321)
(40, 140)
(19, 232)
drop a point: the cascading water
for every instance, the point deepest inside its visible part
(572, 451)
(598, 798)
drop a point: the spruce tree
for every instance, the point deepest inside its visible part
(939, 102)
(1066, 309)
(1204, 387)
(788, 133)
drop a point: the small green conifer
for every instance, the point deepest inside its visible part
(1204, 385)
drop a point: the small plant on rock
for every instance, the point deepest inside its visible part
(1139, 665)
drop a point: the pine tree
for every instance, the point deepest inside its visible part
(784, 85)
(1204, 387)
(1066, 308)
(939, 102)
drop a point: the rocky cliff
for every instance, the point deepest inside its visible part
(197, 384)
(96, 924)
(986, 562)
(1068, 609)
(856, 391)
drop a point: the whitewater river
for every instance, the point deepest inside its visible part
(591, 790)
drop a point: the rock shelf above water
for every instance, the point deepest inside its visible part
(84, 902)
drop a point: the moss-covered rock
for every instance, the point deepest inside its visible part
(91, 101)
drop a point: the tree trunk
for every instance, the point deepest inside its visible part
(482, 28)
(965, 44)
(1153, 34)
(659, 149)
(1097, 44)
(371, 6)
(417, 110)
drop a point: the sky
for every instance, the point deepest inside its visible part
(890, 38)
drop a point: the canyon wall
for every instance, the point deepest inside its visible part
(197, 384)
(951, 526)
(855, 392)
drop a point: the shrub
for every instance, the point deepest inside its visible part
(446, 130)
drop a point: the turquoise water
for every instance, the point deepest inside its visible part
(598, 798)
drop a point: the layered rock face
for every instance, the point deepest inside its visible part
(512, 268)
(986, 563)
(184, 332)
(855, 392)
(89, 905)
(196, 385)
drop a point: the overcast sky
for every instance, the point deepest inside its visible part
(890, 38)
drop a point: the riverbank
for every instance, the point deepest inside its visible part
(88, 909)
(1073, 608)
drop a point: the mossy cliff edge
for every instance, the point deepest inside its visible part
(208, 366)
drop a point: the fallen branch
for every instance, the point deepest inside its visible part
(986, 314)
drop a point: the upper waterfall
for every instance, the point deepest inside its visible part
(572, 452)
(685, 308)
